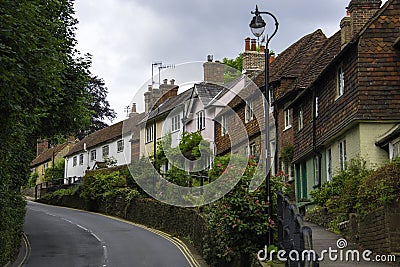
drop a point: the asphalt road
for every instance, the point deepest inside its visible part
(65, 237)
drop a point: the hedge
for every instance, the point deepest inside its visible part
(12, 213)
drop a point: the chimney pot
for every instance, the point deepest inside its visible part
(210, 58)
(133, 107)
(172, 81)
(247, 44)
(271, 59)
(149, 87)
(262, 48)
(165, 81)
(253, 45)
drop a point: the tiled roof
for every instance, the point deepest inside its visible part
(291, 62)
(47, 155)
(323, 58)
(168, 105)
(207, 91)
(104, 135)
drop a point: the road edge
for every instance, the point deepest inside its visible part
(192, 258)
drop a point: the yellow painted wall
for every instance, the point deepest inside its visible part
(369, 132)
(352, 137)
(146, 149)
(360, 142)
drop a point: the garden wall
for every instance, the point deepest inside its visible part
(378, 230)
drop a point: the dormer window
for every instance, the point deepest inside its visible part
(339, 81)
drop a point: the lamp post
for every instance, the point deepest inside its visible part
(257, 26)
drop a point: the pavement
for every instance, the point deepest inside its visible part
(341, 250)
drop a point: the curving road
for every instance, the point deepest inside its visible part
(66, 237)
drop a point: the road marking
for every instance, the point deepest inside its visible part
(95, 236)
(80, 226)
(27, 249)
(175, 241)
(105, 254)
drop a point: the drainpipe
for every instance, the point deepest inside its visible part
(314, 136)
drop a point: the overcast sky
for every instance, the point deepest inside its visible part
(126, 36)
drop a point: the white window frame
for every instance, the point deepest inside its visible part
(301, 118)
(252, 149)
(342, 154)
(120, 145)
(81, 159)
(105, 151)
(74, 161)
(176, 123)
(93, 155)
(200, 120)
(224, 125)
(249, 114)
(149, 134)
(329, 165)
(287, 119)
(340, 82)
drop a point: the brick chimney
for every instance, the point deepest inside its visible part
(345, 30)
(148, 98)
(166, 91)
(360, 12)
(133, 110)
(41, 146)
(253, 60)
(213, 71)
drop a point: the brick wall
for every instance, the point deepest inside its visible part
(378, 231)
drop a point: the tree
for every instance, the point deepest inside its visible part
(99, 105)
(43, 80)
(233, 68)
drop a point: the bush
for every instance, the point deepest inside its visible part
(381, 188)
(55, 173)
(33, 176)
(340, 194)
(12, 213)
(98, 185)
(238, 223)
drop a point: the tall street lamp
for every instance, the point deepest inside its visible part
(257, 26)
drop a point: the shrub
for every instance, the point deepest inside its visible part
(33, 176)
(340, 194)
(55, 173)
(381, 188)
(238, 223)
(12, 212)
(98, 185)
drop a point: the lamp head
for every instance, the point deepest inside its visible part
(257, 24)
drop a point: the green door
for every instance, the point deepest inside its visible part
(303, 180)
